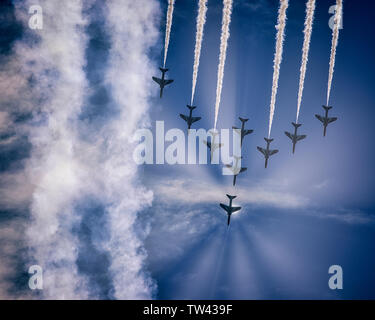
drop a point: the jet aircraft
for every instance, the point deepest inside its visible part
(325, 120)
(190, 119)
(229, 208)
(243, 131)
(212, 145)
(267, 152)
(162, 82)
(295, 137)
(235, 169)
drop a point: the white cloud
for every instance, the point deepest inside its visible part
(344, 215)
(46, 77)
(192, 191)
(63, 168)
(133, 30)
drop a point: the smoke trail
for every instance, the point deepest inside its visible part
(201, 20)
(168, 28)
(335, 40)
(281, 22)
(47, 83)
(131, 91)
(227, 12)
(310, 9)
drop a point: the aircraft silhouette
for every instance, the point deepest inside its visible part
(243, 131)
(325, 120)
(228, 208)
(295, 137)
(190, 119)
(267, 152)
(162, 82)
(212, 145)
(235, 169)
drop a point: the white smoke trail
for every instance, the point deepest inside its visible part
(281, 22)
(227, 12)
(131, 91)
(201, 20)
(54, 66)
(335, 40)
(64, 168)
(168, 28)
(310, 9)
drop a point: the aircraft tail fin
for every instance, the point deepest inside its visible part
(213, 132)
(326, 107)
(296, 125)
(243, 119)
(231, 197)
(268, 140)
(163, 69)
(191, 107)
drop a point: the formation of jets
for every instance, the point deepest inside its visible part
(236, 169)
(267, 152)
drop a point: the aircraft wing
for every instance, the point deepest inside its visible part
(195, 119)
(272, 152)
(302, 136)
(184, 117)
(167, 81)
(288, 135)
(157, 80)
(248, 132)
(319, 118)
(262, 150)
(331, 119)
(225, 207)
(243, 169)
(234, 209)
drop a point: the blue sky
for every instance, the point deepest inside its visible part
(157, 231)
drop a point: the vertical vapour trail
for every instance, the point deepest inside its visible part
(168, 28)
(51, 87)
(335, 40)
(227, 12)
(201, 20)
(133, 27)
(310, 9)
(280, 27)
